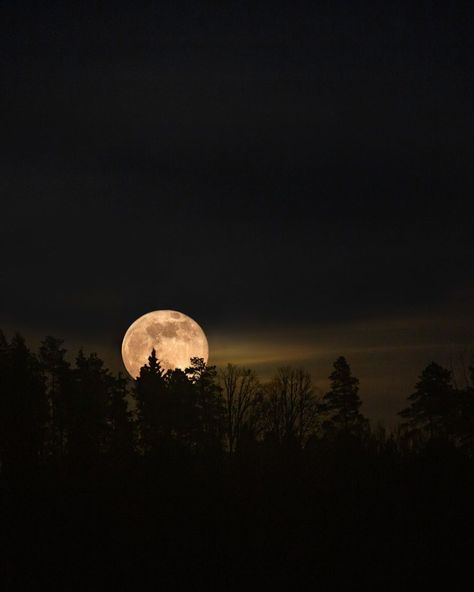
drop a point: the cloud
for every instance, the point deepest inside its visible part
(387, 354)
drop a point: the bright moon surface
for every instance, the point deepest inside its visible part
(176, 338)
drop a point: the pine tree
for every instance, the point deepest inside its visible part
(151, 400)
(342, 402)
(86, 409)
(208, 403)
(465, 415)
(23, 406)
(58, 380)
(181, 407)
(432, 404)
(121, 437)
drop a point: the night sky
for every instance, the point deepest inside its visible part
(298, 178)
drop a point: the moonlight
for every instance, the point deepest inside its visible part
(176, 338)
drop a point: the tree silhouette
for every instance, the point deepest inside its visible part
(179, 408)
(58, 380)
(121, 435)
(341, 403)
(464, 417)
(152, 405)
(241, 392)
(286, 501)
(432, 404)
(290, 407)
(86, 410)
(23, 406)
(207, 404)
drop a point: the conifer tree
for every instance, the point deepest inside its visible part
(151, 400)
(180, 411)
(432, 404)
(23, 406)
(121, 437)
(341, 403)
(209, 408)
(86, 409)
(465, 416)
(58, 379)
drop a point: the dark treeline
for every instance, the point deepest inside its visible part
(212, 477)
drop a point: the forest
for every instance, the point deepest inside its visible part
(211, 477)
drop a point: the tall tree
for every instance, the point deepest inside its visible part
(58, 380)
(152, 404)
(290, 407)
(432, 404)
(208, 405)
(241, 393)
(466, 431)
(23, 406)
(180, 412)
(121, 436)
(341, 403)
(86, 409)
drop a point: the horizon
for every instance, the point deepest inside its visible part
(382, 398)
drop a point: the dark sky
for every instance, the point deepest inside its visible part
(297, 178)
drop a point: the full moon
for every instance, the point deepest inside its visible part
(176, 338)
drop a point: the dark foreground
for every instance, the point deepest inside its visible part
(318, 519)
(217, 481)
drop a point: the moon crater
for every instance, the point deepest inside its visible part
(175, 337)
